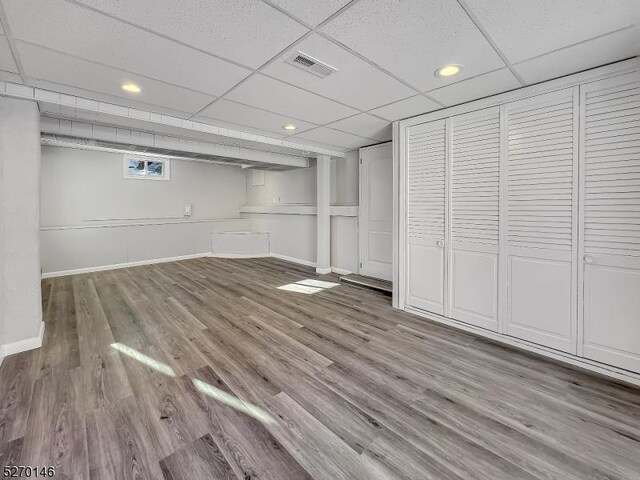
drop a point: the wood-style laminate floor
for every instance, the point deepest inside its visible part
(251, 369)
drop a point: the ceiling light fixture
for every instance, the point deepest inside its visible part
(289, 126)
(131, 88)
(448, 70)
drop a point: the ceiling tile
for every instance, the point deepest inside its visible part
(81, 32)
(333, 138)
(526, 29)
(312, 13)
(413, 38)
(476, 87)
(406, 108)
(275, 96)
(56, 67)
(239, 114)
(346, 85)
(364, 125)
(247, 31)
(6, 58)
(607, 49)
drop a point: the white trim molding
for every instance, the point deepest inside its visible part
(324, 271)
(306, 263)
(239, 255)
(102, 268)
(341, 271)
(22, 345)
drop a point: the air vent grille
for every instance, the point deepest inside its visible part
(309, 64)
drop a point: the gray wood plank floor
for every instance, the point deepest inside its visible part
(259, 369)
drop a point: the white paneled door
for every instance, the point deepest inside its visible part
(474, 193)
(426, 267)
(376, 211)
(540, 193)
(610, 250)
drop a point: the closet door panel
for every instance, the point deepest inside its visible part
(474, 287)
(540, 170)
(610, 248)
(539, 299)
(426, 172)
(426, 286)
(474, 186)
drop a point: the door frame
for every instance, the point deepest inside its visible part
(361, 209)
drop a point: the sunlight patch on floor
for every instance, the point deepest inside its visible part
(232, 401)
(308, 286)
(142, 358)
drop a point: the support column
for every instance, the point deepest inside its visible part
(20, 300)
(323, 176)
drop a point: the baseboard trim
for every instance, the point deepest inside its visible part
(293, 259)
(239, 255)
(340, 271)
(22, 345)
(323, 271)
(102, 268)
(582, 363)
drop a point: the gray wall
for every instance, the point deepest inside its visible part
(20, 303)
(292, 186)
(92, 216)
(295, 235)
(344, 179)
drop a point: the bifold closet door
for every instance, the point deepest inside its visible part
(611, 220)
(474, 186)
(540, 170)
(426, 172)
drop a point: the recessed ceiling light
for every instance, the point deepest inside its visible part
(131, 87)
(289, 126)
(448, 70)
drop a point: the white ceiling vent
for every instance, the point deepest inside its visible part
(309, 64)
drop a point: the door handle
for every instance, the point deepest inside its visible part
(440, 243)
(588, 259)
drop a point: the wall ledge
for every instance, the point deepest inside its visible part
(300, 209)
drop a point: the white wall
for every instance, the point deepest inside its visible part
(344, 179)
(291, 186)
(295, 235)
(20, 303)
(92, 216)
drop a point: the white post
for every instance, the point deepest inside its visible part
(323, 177)
(20, 301)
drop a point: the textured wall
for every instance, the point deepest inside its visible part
(20, 216)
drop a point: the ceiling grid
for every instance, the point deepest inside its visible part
(223, 62)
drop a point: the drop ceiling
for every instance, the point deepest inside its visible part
(223, 62)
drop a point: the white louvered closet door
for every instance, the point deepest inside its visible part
(610, 220)
(541, 179)
(474, 186)
(426, 170)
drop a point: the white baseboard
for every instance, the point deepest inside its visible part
(293, 259)
(116, 266)
(323, 271)
(340, 271)
(103, 268)
(22, 345)
(584, 363)
(239, 255)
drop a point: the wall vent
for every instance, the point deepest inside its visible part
(309, 64)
